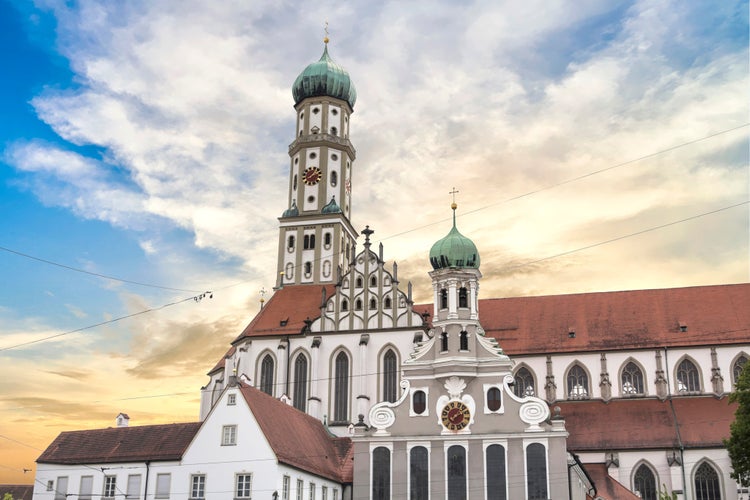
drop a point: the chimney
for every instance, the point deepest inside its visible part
(122, 420)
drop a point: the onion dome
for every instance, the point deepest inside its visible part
(292, 211)
(454, 250)
(331, 208)
(324, 78)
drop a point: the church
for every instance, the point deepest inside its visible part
(343, 387)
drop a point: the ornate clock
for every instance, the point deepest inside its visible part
(312, 176)
(455, 415)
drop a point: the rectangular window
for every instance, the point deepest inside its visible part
(312, 491)
(285, 488)
(229, 435)
(324, 493)
(50, 485)
(87, 488)
(110, 486)
(198, 486)
(162, 485)
(300, 488)
(134, 486)
(61, 492)
(244, 486)
(231, 399)
(335, 494)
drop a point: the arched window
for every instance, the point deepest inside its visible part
(334, 131)
(737, 368)
(334, 178)
(299, 398)
(464, 341)
(358, 305)
(373, 281)
(524, 383)
(341, 389)
(632, 380)
(373, 304)
(294, 183)
(308, 268)
(644, 483)
(306, 242)
(419, 476)
(463, 298)
(387, 303)
(578, 383)
(688, 378)
(443, 341)
(494, 399)
(381, 473)
(390, 374)
(536, 470)
(266, 374)
(443, 299)
(456, 472)
(327, 239)
(344, 305)
(495, 460)
(707, 485)
(419, 402)
(290, 242)
(358, 283)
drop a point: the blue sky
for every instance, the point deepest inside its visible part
(147, 141)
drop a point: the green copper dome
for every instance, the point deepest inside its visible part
(454, 250)
(331, 208)
(324, 78)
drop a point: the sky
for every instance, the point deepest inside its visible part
(595, 146)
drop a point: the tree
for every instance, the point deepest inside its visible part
(738, 444)
(8, 496)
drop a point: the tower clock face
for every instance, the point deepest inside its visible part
(312, 176)
(455, 415)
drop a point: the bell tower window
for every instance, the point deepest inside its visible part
(463, 299)
(443, 299)
(443, 341)
(309, 242)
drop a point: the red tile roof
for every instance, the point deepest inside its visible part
(606, 486)
(120, 444)
(300, 440)
(619, 320)
(627, 424)
(17, 491)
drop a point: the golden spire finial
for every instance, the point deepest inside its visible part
(453, 192)
(325, 38)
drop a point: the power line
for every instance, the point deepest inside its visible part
(98, 275)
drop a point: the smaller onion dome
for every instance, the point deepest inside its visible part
(324, 78)
(454, 250)
(331, 208)
(292, 211)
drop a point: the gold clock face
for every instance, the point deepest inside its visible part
(312, 176)
(455, 415)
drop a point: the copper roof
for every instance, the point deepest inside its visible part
(120, 444)
(639, 424)
(606, 486)
(300, 440)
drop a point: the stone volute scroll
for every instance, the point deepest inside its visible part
(382, 416)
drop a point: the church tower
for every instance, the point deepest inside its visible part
(316, 237)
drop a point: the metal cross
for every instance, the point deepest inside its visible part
(454, 192)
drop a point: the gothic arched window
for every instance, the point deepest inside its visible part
(495, 459)
(266, 374)
(578, 383)
(299, 398)
(373, 281)
(632, 380)
(381, 473)
(737, 368)
(373, 304)
(707, 486)
(463, 297)
(688, 378)
(358, 283)
(344, 305)
(358, 305)
(523, 383)
(456, 472)
(644, 483)
(390, 375)
(341, 389)
(419, 476)
(387, 303)
(536, 471)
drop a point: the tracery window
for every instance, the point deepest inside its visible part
(536, 467)
(644, 482)
(456, 472)
(578, 383)
(496, 476)
(688, 378)
(299, 398)
(463, 297)
(381, 473)
(737, 368)
(390, 375)
(707, 486)
(266, 374)
(341, 388)
(524, 383)
(418, 474)
(632, 380)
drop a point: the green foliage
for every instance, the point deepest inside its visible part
(664, 494)
(7, 496)
(738, 444)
